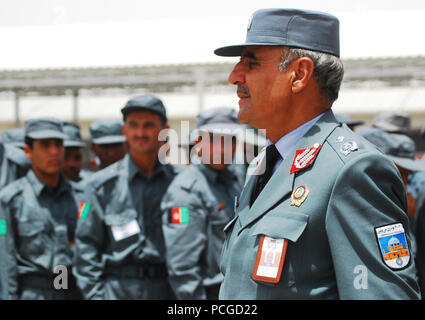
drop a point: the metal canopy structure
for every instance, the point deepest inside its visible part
(195, 78)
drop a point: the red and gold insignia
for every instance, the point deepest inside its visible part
(304, 157)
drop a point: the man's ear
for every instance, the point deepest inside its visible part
(28, 151)
(303, 69)
(198, 146)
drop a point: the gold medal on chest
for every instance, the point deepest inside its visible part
(299, 195)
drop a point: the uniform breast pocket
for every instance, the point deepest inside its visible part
(123, 228)
(32, 238)
(275, 234)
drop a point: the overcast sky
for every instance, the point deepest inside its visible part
(46, 12)
(73, 33)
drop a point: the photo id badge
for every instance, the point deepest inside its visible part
(126, 230)
(270, 258)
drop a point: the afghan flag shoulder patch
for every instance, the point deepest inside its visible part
(3, 227)
(84, 209)
(180, 215)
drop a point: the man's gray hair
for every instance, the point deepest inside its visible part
(328, 69)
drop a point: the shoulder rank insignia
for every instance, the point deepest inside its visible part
(393, 245)
(348, 147)
(299, 195)
(305, 157)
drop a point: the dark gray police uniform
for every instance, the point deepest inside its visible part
(197, 206)
(37, 229)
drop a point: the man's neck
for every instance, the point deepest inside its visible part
(51, 180)
(146, 162)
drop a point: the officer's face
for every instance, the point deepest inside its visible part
(262, 88)
(109, 153)
(141, 128)
(216, 150)
(46, 156)
(73, 163)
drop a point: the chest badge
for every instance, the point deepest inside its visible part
(305, 157)
(299, 195)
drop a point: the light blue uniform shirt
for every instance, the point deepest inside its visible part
(288, 142)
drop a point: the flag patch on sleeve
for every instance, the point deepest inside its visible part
(83, 211)
(180, 215)
(393, 245)
(3, 227)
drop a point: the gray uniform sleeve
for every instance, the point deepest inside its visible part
(368, 193)
(8, 265)
(185, 243)
(89, 241)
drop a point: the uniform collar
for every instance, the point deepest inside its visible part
(133, 169)
(38, 185)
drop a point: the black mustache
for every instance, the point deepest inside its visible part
(243, 89)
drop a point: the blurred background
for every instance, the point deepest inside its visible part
(82, 60)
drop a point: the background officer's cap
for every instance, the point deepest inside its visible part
(312, 30)
(106, 131)
(345, 118)
(73, 140)
(145, 103)
(392, 122)
(14, 137)
(221, 120)
(398, 147)
(44, 128)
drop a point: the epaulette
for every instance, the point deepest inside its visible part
(11, 190)
(346, 143)
(101, 177)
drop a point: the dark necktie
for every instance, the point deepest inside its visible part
(272, 155)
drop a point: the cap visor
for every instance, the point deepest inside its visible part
(73, 144)
(109, 140)
(236, 50)
(47, 134)
(409, 164)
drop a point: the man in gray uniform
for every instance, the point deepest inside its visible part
(38, 214)
(107, 143)
(14, 137)
(120, 244)
(13, 162)
(323, 203)
(73, 164)
(197, 206)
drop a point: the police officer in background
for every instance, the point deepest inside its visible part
(107, 143)
(38, 216)
(73, 164)
(120, 244)
(14, 137)
(13, 162)
(197, 206)
(322, 200)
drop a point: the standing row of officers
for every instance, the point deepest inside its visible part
(322, 213)
(137, 228)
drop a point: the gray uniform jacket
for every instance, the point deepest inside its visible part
(194, 248)
(13, 164)
(40, 225)
(333, 249)
(120, 246)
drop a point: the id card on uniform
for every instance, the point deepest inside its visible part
(270, 258)
(126, 230)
